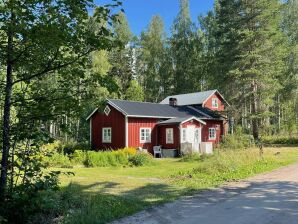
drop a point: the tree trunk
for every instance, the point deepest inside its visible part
(254, 110)
(6, 114)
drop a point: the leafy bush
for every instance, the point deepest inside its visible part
(58, 160)
(141, 159)
(238, 140)
(271, 140)
(78, 157)
(129, 151)
(104, 159)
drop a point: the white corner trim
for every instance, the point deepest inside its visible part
(90, 131)
(126, 131)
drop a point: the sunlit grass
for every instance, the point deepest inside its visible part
(112, 192)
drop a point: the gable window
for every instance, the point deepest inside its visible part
(106, 135)
(183, 135)
(145, 135)
(169, 136)
(212, 133)
(107, 110)
(214, 102)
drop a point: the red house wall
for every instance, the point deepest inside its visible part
(134, 125)
(208, 103)
(162, 136)
(116, 121)
(212, 124)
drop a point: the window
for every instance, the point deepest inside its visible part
(212, 133)
(106, 135)
(183, 135)
(214, 102)
(107, 110)
(145, 135)
(169, 136)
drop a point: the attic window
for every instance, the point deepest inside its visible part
(107, 110)
(214, 102)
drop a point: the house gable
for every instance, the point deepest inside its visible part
(214, 102)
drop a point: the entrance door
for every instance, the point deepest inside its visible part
(194, 137)
(197, 140)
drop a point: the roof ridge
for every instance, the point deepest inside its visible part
(211, 90)
(133, 101)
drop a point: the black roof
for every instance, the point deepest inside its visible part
(143, 109)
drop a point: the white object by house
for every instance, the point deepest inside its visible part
(206, 148)
(157, 150)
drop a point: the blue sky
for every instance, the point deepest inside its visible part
(140, 12)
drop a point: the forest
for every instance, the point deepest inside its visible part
(58, 62)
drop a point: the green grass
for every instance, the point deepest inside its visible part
(100, 195)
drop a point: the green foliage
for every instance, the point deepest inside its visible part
(58, 160)
(190, 157)
(141, 159)
(238, 140)
(134, 92)
(280, 140)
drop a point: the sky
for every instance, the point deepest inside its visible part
(140, 12)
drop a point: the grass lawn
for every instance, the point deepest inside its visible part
(100, 195)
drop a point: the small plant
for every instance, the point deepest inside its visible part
(141, 159)
(191, 157)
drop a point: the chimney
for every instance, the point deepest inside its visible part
(173, 102)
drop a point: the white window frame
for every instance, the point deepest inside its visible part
(149, 135)
(171, 132)
(103, 135)
(183, 138)
(209, 132)
(214, 103)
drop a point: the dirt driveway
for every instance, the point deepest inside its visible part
(270, 198)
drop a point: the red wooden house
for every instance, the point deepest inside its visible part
(173, 123)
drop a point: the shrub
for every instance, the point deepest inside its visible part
(141, 159)
(58, 160)
(271, 140)
(129, 151)
(238, 140)
(78, 157)
(104, 159)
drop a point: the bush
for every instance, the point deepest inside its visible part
(141, 159)
(104, 159)
(238, 140)
(271, 140)
(78, 157)
(58, 160)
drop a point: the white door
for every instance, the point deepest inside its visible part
(194, 137)
(197, 140)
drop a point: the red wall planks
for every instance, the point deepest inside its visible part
(116, 121)
(208, 103)
(162, 136)
(134, 125)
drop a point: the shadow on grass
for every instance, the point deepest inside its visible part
(99, 206)
(275, 200)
